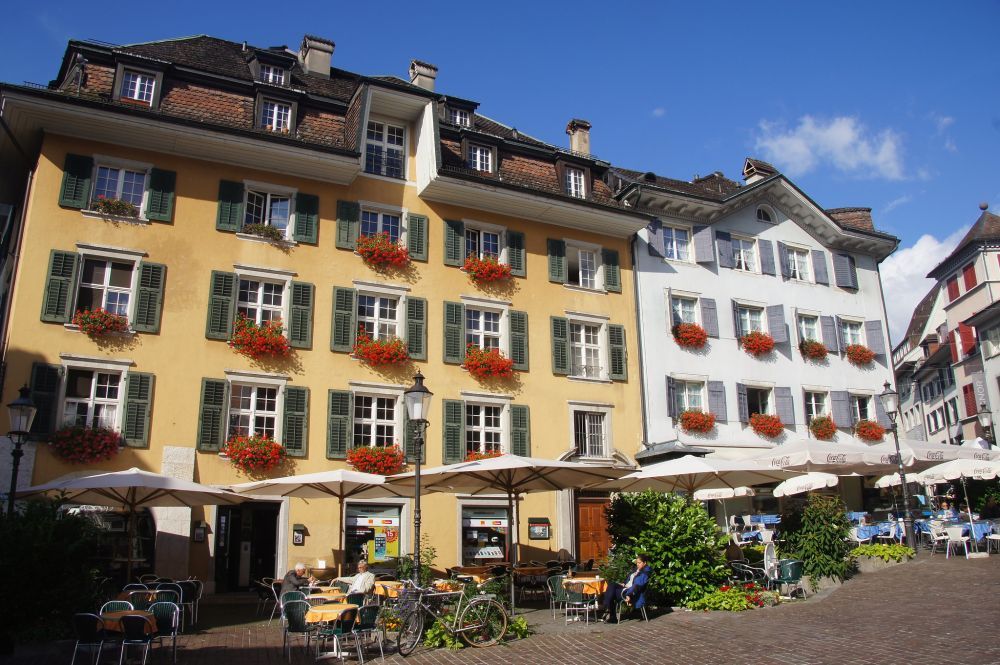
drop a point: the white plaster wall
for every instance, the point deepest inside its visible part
(173, 525)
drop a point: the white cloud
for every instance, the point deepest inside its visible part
(659, 112)
(896, 202)
(943, 122)
(949, 145)
(842, 142)
(904, 277)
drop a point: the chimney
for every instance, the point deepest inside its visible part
(579, 136)
(423, 74)
(315, 55)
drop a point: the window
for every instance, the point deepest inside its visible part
(676, 243)
(816, 406)
(764, 215)
(575, 186)
(260, 301)
(268, 209)
(581, 267)
(378, 315)
(91, 398)
(798, 264)
(689, 395)
(138, 86)
(374, 222)
(384, 148)
(482, 244)
(744, 254)
(480, 158)
(953, 288)
(272, 74)
(851, 331)
(750, 319)
(808, 327)
(483, 432)
(276, 116)
(105, 284)
(120, 183)
(969, 276)
(459, 117)
(861, 407)
(482, 328)
(374, 421)
(991, 343)
(589, 434)
(253, 410)
(758, 400)
(585, 350)
(683, 310)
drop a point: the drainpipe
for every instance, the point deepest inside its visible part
(638, 323)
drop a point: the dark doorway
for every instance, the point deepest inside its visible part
(246, 538)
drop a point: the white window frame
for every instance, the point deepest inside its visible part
(605, 410)
(576, 185)
(481, 228)
(673, 320)
(745, 259)
(805, 274)
(494, 307)
(480, 157)
(272, 74)
(811, 407)
(272, 122)
(770, 397)
(120, 366)
(374, 389)
(122, 165)
(261, 380)
(253, 412)
(991, 341)
(383, 144)
(268, 275)
(799, 319)
(764, 211)
(374, 422)
(88, 251)
(848, 339)
(460, 117)
(750, 307)
(855, 402)
(377, 320)
(576, 318)
(92, 401)
(671, 248)
(503, 430)
(140, 75)
(576, 248)
(683, 391)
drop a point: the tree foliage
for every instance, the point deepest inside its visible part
(818, 536)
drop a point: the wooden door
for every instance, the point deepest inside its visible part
(593, 541)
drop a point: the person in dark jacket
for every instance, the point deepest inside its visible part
(632, 591)
(296, 578)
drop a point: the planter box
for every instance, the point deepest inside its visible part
(867, 564)
(823, 584)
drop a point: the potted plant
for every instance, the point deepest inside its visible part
(264, 231)
(823, 427)
(859, 354)
(693, 420)
(256, 341)
(689, 335)
(379, 251)
(115, 207)
(254, 454)
(868, 430)
(476, 455)
(85, 445)
(873, 557)
(757, 343)
(383, 460)
(485, 363)
(99, 322)
(766, 425)
(486, 269)
(811, 349)
(377, 352)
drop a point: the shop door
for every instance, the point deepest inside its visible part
(593, 541)
(246, 539)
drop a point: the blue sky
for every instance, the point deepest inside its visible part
(888, 105)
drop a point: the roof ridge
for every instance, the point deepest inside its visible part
(174, 39)
(515, 129)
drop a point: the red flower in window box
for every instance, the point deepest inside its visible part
(697, 421)
(377, 352)
(823, 427)
(85, 445)
(766, 425)
(757, 343)
(486, 269)
(255, 341)
(379, 251)
(99, 322)
(484, 363)
(383, 460)
(859, 354)
(868, 430)
(118, 207)
(476, 455)
(689, 335)
(254, 454)
(810, 348)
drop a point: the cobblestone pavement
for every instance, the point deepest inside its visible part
(931, 611)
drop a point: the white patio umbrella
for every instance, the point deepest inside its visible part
(720, 495)
(815, 480)
(892, 480)
(814, 455)
(690, 473)
(960, 469)
(922, 454)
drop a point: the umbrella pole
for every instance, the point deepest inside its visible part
(512, 530)
(725, 514)
(968, 511)
(342, 555)
(128, 546)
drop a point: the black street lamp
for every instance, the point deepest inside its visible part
(890, 404)
(986, 422)
(22, 414)
(418, 403)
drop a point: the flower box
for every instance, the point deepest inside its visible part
(377, 352)
(264, 231)
(476, 455)
(689, 335)
(486, 363)
(379, 251)
(823, 427)
(256, 341)
(85, 445)
(99, 322)
(811, 349)
(766, 425)
(697, 421)
(868, 430)
(859, 354)
(757, 343)
(486, 269)
(254, 454)
(116, 207)
(383, 460)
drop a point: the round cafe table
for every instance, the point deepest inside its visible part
(113, 620)
(331, 595)
(328, 612)
(389, 589)
(591, 586)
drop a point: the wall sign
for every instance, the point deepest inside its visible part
(538, 528)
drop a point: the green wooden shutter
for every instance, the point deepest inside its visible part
(612, 271)
(45, 383)
(416, 328)
(454, 243)
(416, 236)
(60, 287)
(295, 428)
(558, 270)
(560, 345)
(519, 340)
(520, 430)
(345, 330)
(410, 442)
(212, 414)
(616, 348)
(230, 215)
(138, 403)
(454, 332)
(516, 258)
(306, 218)
(160, 204)
(221, 305)
(149, 297)
(454, 431)
(348, 224)
(300, 316)
(338, 426)
(75, 190)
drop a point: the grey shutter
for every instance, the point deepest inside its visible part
(454, 243)
(348, 224)
(724, 241)
(717, 400)
(138, 402)
(766, 256)
(845, 271)
(338, 424)
(295, 428)
(416, 236)
(560, 345)
(558, 270)
(149, 297)
(520, 430)
(300, 315)
(516, 257)
(875, 338)
(618, 352)
(306, 219)
(881, 417)
(709, 317)
(46, 381)
(160, 203)
(60, 287)
(831, 338)
(212, 414)
(416, 328)
(75, 189)
(453, 431)
(776, 323)
(736, 321)
(454, 333)
(840, 408)
(840, 332)
(654, 238)
(612, 270)
(783, 260)
(345, 329)
(230, 213)
(742, 405)
(672, 411)
(221, 305)
(518, 323)
(784, 406)
(704, 252)
(819, 267)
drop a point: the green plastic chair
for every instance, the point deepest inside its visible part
(338, 631)
(367, 626)
(557, 593)
(294, 612)
(790, 574)
(168, 617)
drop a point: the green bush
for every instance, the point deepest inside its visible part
(519, 628)
(818, 536)
(893, 551)
(735, 598)
(437, 636)
(428, 554)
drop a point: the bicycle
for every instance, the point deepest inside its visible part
(480, 622)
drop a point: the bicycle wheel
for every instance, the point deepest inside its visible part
(410, 629)
(483, 623)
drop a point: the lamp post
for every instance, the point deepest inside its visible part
(418, 402)
(22, 414)
(986, 422)
(890, 404)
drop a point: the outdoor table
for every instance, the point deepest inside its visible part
(979, 529)
(478, 574)
(388, 589)
(749, 536)
(589, 586)
(327, 596)
(531, 570)
(447, 585)
(113, 620)
(868, 531)
(765, 519)
(328, 612)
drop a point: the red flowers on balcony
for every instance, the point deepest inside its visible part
(476, 455)
(99, 322)
(868, 430)
(384, 460)
(85, 445)
(697, 421)
(689, 335)
(379, 251)
(254, 454)
(486, 269)
(811, 349)
(766, 425)
(823, 427)
(485, 363)
(859, 354)
(757, 343)
(256, 341)
(377, 352)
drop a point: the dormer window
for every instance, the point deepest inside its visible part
(575, 183)
(272, 74)
(385, 147)
(138, 86)
(480, 158)
(276, 116)
(459, 117)
(764, 215)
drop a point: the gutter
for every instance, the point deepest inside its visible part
(638, 326)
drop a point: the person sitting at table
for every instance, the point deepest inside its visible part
(632, 591)
(948, 512)
(296, 578)
(363, 581)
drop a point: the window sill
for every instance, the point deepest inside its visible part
(587, 379)
(683, 262)
(584, 289)
(387, 178)
(277, 243)
(128, 334)
(138, 221)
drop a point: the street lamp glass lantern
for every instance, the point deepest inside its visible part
(22, 412)
(890, 401)
(418, 399)
(984, 415)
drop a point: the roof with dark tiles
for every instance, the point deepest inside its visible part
(921, 314)
(986, 229)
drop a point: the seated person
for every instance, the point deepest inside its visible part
(631, 591)
(296, 578)
(363, 581)
(948, 512)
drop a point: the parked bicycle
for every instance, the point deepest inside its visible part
(480, 621)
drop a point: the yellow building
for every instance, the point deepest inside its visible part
(213, 143)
